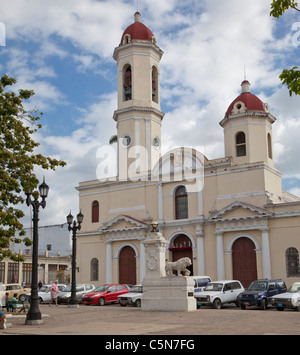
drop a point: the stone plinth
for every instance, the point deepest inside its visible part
(168, 294)
(161, 293)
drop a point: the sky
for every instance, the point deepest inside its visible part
(63, 51)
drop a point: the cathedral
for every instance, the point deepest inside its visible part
(229, 215)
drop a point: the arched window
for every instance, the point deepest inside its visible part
(270, 152)
(127, 82)
(292, 262)
(240, 142)
(94, 269)
(95, 212)
(154, 85)
(181, 203)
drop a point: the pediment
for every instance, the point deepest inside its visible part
(240, 210)
(123, 223)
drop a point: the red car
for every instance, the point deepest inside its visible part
(104, 294)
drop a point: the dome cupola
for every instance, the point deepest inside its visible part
(246, 102)
(137, 32)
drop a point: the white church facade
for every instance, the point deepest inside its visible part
(229, 215)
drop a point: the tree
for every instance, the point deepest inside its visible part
(17, 163)
(290, 77)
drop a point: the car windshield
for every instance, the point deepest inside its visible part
(294, 288)
(45, 289)
(214, 287)
(101, 288)
(258, 286)
(137, 289)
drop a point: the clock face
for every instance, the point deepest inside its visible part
(126, 140)
(156, 142)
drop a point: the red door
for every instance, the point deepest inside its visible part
(182, 248)
(127, 266)
(244, 261)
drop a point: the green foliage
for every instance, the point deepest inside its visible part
(17, 162)
(278, 7)
(292, 79)
(289, 77)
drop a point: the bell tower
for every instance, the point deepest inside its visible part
(248, 129)
(139, 115)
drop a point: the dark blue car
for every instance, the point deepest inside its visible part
(259, 293)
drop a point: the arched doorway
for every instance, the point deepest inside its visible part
(127, 266)
(244, 261)
(182, 248)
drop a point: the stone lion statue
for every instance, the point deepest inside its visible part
(180, 266)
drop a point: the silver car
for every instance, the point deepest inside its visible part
(45, 293)
(81, 289)
(134, 297)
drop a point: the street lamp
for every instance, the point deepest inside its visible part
(34, 315)
(73, 227)
(154, 227)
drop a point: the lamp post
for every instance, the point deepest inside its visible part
(34, 315)
(154, 227)
(73, 227)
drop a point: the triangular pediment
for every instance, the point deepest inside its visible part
(122, 223)
(238, 210)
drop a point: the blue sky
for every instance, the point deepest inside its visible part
(63, 51)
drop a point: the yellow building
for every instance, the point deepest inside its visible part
(229, 215)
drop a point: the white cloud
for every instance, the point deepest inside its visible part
(206, 45)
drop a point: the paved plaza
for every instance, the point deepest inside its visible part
(116, 320)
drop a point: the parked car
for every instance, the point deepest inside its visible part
(217, 293)
(105, 294)
(200, 282)
(134, 297)
(260, 291)
(81, 289)
(289, 299)
(45, 292)
(18, 289)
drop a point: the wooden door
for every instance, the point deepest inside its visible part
(182, 248)
(244, 261)
(127, 266)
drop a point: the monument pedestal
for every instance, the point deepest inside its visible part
(161, 292)
(169, 294)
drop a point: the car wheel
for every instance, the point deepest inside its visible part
(243, 306)
(138, 303)
(298, 308)
(101, 301)
(22, 298)
(217, 304)
(280, 308)
(123, 304)
(263, 305)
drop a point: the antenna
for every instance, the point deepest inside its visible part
(137, 5)
(245, 76)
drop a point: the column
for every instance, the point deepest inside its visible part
(160, 203)
(109, 263)
(266, 259)
(200, 255)
(142, 262)
(220, 257)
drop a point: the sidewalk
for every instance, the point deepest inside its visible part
(116, 320)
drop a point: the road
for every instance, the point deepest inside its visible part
(116, 320)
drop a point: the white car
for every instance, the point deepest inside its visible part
(219, 292)
(45, 292)
(134, 297)
(289, 299)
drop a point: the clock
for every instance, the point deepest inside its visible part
(126, 141)
(156, 142)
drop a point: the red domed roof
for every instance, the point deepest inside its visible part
(138, 30)
(252, 102)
